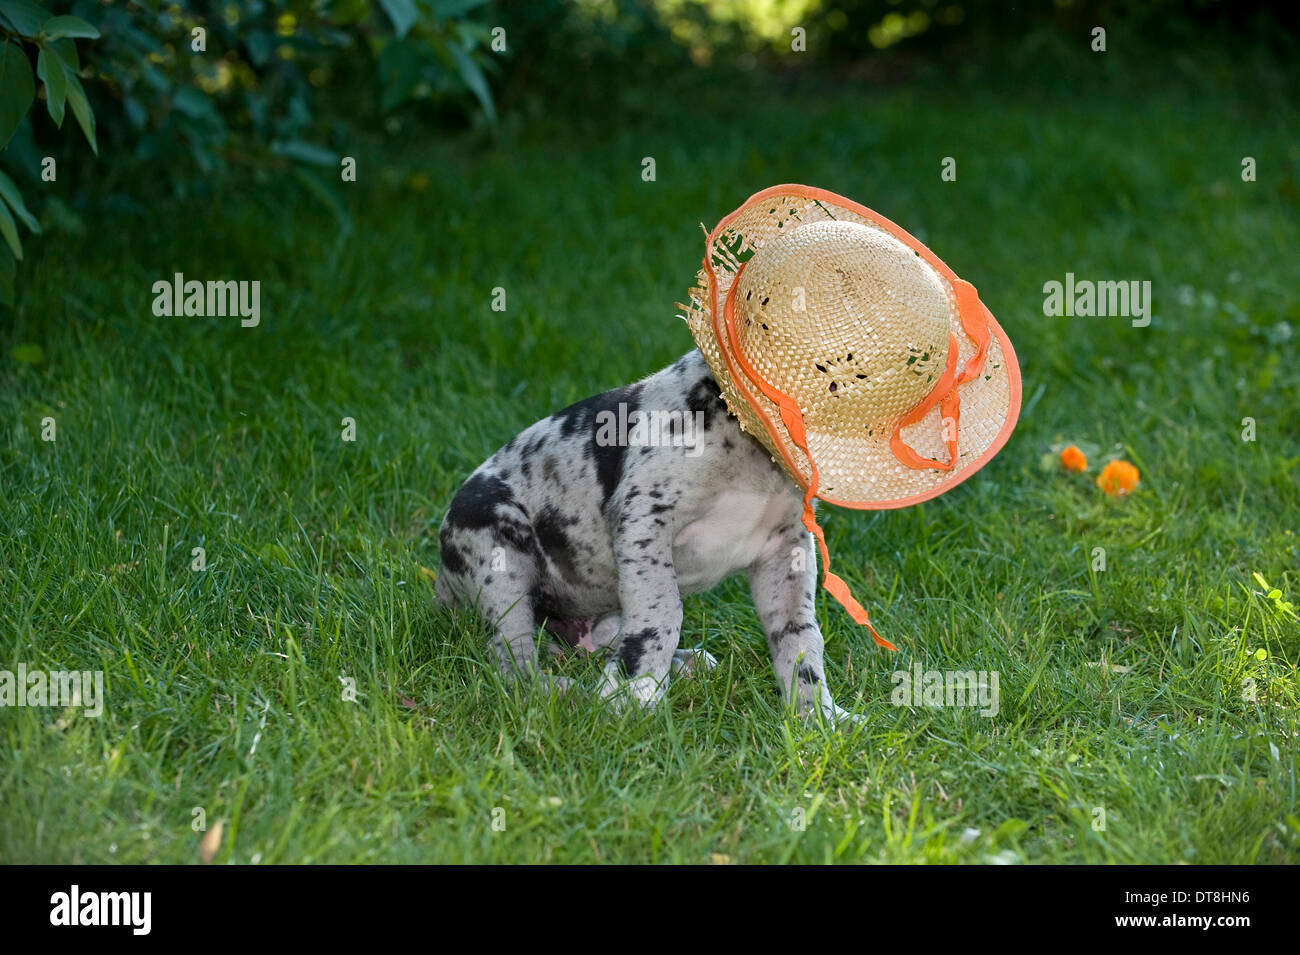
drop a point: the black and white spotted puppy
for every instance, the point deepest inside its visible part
(594, 522)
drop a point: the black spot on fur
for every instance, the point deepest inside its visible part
(808, 675)
(706, 397)
(453, 560)
(517, 534)
(632, 648)
(790, 629)
(608, 457)
(477, 502)
(582, 415)
(554, 540)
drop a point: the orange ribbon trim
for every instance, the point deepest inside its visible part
(974, 321)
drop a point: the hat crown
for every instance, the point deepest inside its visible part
(845, 319)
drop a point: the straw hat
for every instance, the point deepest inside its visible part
(872, 373)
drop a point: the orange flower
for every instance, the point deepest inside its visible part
(1073, 459)
(1118, 478)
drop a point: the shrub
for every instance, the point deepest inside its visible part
(180, 94)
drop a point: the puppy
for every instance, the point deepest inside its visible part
(593, 523)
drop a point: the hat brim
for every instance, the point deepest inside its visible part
(857, 468)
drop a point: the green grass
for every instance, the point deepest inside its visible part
(1120, 689)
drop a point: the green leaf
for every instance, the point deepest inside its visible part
(473, 34)
(196, 104)
(271, 553)
(259, 45)
(156, 78)
(399, 71)
(50, 69)
(402, 13)
(7, 269)
(9, 192)
(473, 77)
(29, 354)
(304, 151)
(348, 12)
(1009, 829)
(23, 16)
(9, 230)
(16, 88)
(69, 26)
(81, 109)
(65, 50)
(21, 153)
(447, 9)
(136, 114)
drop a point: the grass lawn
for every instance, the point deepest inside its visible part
(1124, 690)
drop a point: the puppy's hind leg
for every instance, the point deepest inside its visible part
(508, 608)
(490, 564)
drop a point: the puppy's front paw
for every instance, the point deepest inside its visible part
(530, 679)
(644, 691)
(687, 662)
(555, 685)
(843, 719)
(836, 716)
